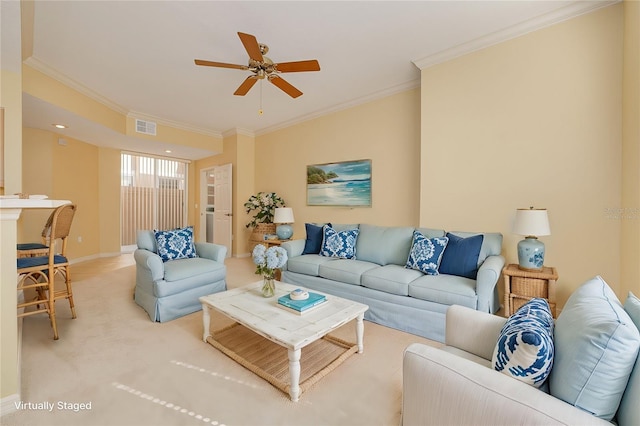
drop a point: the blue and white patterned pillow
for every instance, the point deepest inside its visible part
(426, 253)
(175, 244)
(339, 244)
(525, 347)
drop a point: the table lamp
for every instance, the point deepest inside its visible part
(283, 217)
(531, 223)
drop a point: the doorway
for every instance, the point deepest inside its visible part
(216, 206)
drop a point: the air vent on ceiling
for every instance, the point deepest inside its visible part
(146, 127)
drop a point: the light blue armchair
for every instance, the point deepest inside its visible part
(168, 290)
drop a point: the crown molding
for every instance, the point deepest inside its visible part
(49, 71)
(238, 131)
(174, 124)
(345, 105)
(568, 12)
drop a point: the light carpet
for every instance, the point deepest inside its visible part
(127, 370)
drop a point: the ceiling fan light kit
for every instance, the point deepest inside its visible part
(264, 68)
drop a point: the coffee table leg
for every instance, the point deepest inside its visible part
(360, 332)
(206, 320)
(294, 373)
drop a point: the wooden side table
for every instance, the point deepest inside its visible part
(521, 286)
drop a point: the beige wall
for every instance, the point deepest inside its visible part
(65, 172)
(630, 219)
(11, 102)
(108, 222)
(386, 131)
(534, 121)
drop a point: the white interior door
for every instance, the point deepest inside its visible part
(207, 205)
(223, 213)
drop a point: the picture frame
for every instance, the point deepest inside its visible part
(343, 183)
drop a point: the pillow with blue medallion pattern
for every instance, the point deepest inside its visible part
(175, 244)
(339, 244)
(525, 346)
(426, 253)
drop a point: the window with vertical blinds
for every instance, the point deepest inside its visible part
(153, 194)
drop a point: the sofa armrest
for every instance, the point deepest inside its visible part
(149, 262)
(444, 389)
(211, 251)
(294, 247)
(479, 340)
(486, 284)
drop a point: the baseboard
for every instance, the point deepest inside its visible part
(97, 256)
(9, 404)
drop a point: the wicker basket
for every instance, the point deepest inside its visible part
(529, 287)
(260, 230)
(517, 301)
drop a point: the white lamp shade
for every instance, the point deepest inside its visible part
(283, 215)
(534, 222)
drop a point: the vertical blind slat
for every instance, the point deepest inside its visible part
(152, 195)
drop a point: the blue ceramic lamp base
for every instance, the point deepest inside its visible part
(530, 254)
(284, 232)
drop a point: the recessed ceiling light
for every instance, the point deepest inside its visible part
(59, 126)
(168, 151)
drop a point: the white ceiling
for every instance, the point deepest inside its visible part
(137, 56)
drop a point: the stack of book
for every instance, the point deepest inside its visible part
(300, 307)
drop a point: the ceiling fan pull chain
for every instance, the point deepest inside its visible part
(260, 110)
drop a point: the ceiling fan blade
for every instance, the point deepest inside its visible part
(298, 66)
(246, 85)
(251, 45)
(220, 64)
(286, 87)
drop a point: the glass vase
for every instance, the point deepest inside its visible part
(268, 286)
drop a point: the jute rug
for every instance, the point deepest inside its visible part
(270, 360)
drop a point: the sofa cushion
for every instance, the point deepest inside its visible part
(445, 289)
(175, 244)
(524, 349)
(146, 240)
(185, 268)
(384, 245)
(393, 279)
(339, 244)
(491, 243)
(461, 256)
(596, 347)
(425, 254)
(339, 227)
(313, 243)
(629, 411)
(431, 233)
(307, 264)
(347, 271)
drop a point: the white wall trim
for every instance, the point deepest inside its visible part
(174, 124)
(568, 12)
(238, 131)
(409, 85)
(8, 404)
(49, 71)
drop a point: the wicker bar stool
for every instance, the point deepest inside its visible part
(38, 273)
(37, 249)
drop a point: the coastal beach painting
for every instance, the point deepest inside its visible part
(347, 183)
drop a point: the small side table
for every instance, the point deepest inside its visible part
(521, 286)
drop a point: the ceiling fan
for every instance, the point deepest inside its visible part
(263, 67)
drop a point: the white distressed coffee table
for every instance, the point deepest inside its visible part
(247, 306)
